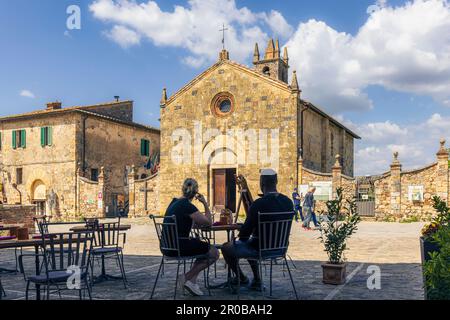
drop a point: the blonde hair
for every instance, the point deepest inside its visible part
(312, 189)
(190, 188)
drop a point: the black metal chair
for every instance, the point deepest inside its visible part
(107, 244)
(274, 231)
(66, 257)
(169, 241)
(2, 291)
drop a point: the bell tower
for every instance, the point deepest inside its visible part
(272, 64)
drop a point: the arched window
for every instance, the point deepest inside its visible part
(266, 71)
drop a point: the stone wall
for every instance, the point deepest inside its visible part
(323, 139)
(392, 189)
(16, 214)
(336, 177)
(90, 197)
(143, 195)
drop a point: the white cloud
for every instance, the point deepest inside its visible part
(194, 27)
(278, 24)
(123, 36)
(27, 94)
(406, 49)
(417, 144)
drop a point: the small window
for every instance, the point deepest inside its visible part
(225, 106)
(19, 139)
(94, 174)
(145, 147)
(266, 71)
(46, 136)
(222, 104)
(19, 176)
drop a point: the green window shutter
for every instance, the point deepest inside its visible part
(42, 137)
(142, 147)
(24, 139)
(148, 148)
(14, 140)
(49, 136)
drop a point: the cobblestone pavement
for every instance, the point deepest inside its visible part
(393, 247)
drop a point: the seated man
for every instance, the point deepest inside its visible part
(247, 245)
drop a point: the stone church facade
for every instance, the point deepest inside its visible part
(51, 155)
(232, 119)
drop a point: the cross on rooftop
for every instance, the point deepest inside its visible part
(223, 35)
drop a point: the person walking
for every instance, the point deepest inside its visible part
(296, 198)
(308, 207)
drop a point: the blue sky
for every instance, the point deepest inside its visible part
(42, 61)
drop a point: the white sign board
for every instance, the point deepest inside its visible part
(324, 190)
(415, 193)
(303, 189)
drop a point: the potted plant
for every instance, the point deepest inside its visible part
(427, 243)
(435, 252)
(436, 270)
(340, 224)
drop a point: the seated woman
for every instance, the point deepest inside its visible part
(186, 213)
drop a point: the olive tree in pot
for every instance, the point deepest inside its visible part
(340, 224)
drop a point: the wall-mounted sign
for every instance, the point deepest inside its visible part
(100, 196)
(100, 204)
(324, 190)
(415, 193)
(303, 189)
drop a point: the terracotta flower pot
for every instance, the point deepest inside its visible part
(334, 273)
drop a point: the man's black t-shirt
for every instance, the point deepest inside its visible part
(182, 209)
(272, 202)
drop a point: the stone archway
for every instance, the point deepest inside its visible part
(38, 191)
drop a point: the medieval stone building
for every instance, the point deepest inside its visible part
(232, 119)
(45, 153)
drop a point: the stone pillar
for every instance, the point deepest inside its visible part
(442, 173)
(299, 171)
(77, 190)
(336, 172)
(131, 193)
(101, 209)
(396, 186)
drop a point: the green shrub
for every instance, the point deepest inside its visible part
(437, 269)
(338, 227)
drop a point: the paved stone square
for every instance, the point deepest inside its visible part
(393, 247)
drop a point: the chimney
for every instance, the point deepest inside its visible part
(54, 105)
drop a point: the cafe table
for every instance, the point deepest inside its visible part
(103, 276)
(12, 228)
(36, 243)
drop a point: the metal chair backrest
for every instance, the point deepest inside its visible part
(167, 232)
(42, 224)
(106, 234)
(274, 231)
(69, 249)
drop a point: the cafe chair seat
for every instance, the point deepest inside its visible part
(102, 251)
(54, 277)
(6, 238)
